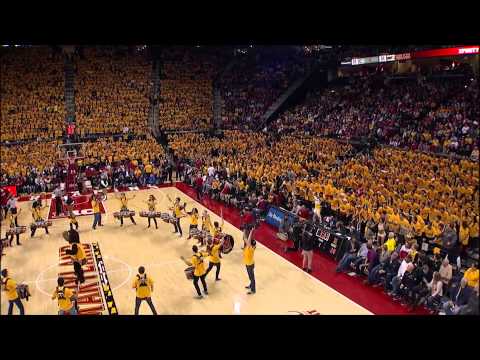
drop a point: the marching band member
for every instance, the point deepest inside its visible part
(143, 286)
(216, 229)
(10, 287)
(124, 201)
(12, 221)
(97, 215)
(37, 216)
(206, 221)
(197, 261)
(214, 259)
(177, 214)
(64, 296)
(152, 202)
(71, 216)
(248, 260)
(193, 221)
(77, 254)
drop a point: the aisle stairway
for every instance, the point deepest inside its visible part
(69, 90)
(154, 98)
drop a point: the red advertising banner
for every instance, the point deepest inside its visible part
(12, 189)
(466, 50)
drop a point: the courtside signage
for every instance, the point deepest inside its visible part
(104, 283)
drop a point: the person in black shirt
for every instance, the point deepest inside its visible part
(409, 281)
(424, 275)
(297, 231)
(435, 262)
(391, 270)
(307, 244)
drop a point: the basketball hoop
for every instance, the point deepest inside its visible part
(70, 153)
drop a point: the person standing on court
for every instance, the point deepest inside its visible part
(12, 206)
(65, 296)
(197, 261)
(97, 215)
(214, 259)
(248, 259)
(143, 286)
(58, 201)
(306, 244)
(10, 287)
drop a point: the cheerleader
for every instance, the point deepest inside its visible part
(317, 209)
(124, 201)
(152, 203)
(11, 219)
(193, 221)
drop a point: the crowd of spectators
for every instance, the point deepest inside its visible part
(186, 87)
(413, 188)
(32, 94)
(35, 167)
(439, 115)
(254, 83)
(112, 92)
(409, 202)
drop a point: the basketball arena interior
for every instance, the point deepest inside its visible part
(239, 180)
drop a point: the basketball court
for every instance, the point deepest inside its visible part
(114, 254)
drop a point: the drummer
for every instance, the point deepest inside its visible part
(193, 221)
(152, 203)
(124, 201)
(71, 215)
(37, 216)
(11, 219)
(216, 229)
(206, 221)
(214, 258)
(197, 261)
(177, 214)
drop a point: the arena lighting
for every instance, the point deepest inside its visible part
(454, 51)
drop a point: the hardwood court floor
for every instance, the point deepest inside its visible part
(281, 286)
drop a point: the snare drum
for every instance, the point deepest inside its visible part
(195, 232)
(189, 272)
(167, 218)
(228, 244)
(41, 224)
(16, 230)
(123, 214)
(150, 214)
(207, 236)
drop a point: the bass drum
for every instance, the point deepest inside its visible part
(228, 244)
